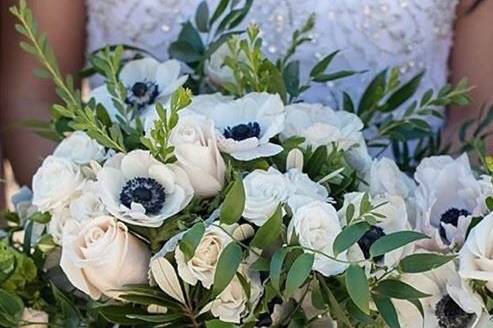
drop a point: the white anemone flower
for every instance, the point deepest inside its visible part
(451, 304)
(245, 126)
(147, 81)
(447, 197)
(140, 190)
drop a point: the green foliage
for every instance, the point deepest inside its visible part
(227, 265)
(390, 242)
(11, 308)
(269, 232)
(358, 287)
(416, 263)
(158, 140)
(298, 273)
(234, 203)
(191, 239)
(16, 269)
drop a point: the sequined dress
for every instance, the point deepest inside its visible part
(371, 34)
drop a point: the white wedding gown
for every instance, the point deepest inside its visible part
(372, 34)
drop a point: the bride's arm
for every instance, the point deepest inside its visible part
(24, 96)
(472, 57)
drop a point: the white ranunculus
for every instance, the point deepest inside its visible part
(197, 153)
(202, 266)
(321, 125)
(476, 257)
(87, 204)
(245, 126)
(32, 318)
(147, 81)
(452, 302)
(80, 149)
(214, 67)
(55, 182)
(302, 189)
(393, 208)
(447, 197)
(316, 225)
(264, 191)
(233, 302)
(101, 256)
(140, 190)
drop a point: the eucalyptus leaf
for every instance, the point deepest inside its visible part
(397, 289)
(270, 231)
(422, 262)
(298, 273)
(358, 288)
(349, 236)
(234, 203)
(394, 241)
(226, 267)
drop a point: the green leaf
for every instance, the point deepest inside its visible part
(221, 7)
(358, 288)
(397, 289)
(336, 308)
(334, 76)
(299, 271)
(387, 310)
(69, 314)
(190, 35)
(270, 231)
(234, 203)
(156, 318)
(393, 241)
(291, 78)
(202, 17)
(120, 314)
(11, 308)
(184, 51)
(322, 65)
(226, 268)
(416, 263)
(373, 93)
(349, 236)
(216, 323)
(276, 264)
(191, 239)
(41, 218)
(316, 161)
(404, 93)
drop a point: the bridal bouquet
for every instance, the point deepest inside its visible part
(203, 192)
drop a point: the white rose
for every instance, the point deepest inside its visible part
(197, 154)
(80, 149)
(264, 191)
(215, 69)
(386, 178)
(447, 197)
(233, 302)
(316, 226)
(55, 182)
(101, 256)
(59, 218)
(34, 319)
(202, 266)
(302, 189)
(140, 190)
(476, 256)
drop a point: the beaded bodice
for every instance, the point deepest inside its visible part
(371, 34)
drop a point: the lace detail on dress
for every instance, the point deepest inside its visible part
(372, 34)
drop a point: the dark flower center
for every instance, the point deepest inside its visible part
(145, 191)
(451, 315)
(142, 94)
(368, 239)
(451, 216)
(242, 131)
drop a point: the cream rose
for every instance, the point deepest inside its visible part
(316, 226)
(79, 148)
(55, 182)
(202, 266)
(476, 256)
(101, 256)
(197, 153)
(233, 302)
(32, 318)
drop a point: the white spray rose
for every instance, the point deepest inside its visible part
(80, 149)
(197, 153)
(264, 191)
(215, 69)
(202, 266)
(87, 204)
(476, 257)
(316, 225)
(55, 182)
(101, 256)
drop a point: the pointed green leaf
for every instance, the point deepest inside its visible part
(299, 271)
(394, 241)
(234, 203)
(226, 268)
(270, 231)
(358, 288)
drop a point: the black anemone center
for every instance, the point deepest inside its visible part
(451, 315)
(451, 216)
(146, 191)
(142, 94)
(242, 131)
(368, 239)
